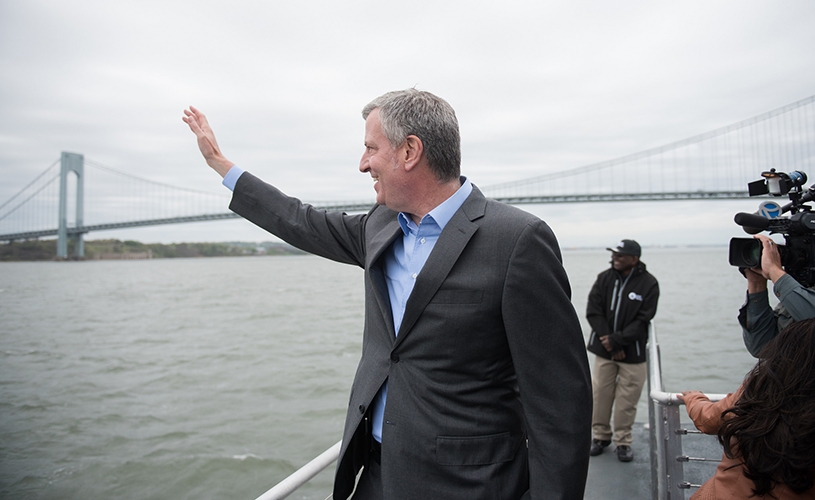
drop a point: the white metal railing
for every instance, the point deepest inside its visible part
(667, 460)
(303, 475)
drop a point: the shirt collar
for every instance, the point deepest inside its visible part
(442, 214)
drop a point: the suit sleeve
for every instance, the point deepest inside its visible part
(551, 365)
(638, 328)
(595, 310)
(333, 235)
(758, 322)
(798, 300)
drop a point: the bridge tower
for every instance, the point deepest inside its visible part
(70, 162)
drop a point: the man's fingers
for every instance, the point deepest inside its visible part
(193, 125)
(199, 116)
(197, 122)
(764, 239)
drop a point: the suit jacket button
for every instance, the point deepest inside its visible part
(362, 408)
(394, 357)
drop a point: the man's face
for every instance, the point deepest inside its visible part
(382, 162)
(623, 262)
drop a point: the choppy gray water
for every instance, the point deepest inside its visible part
(216, 378)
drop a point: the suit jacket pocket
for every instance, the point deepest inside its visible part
(475, 450)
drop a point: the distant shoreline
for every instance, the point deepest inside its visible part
(111, 249)
(46, 250)
(689, 245)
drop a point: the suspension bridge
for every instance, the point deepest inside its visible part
(711, 166)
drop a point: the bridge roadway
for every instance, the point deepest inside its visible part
(364, 206)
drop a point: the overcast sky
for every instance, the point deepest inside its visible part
(537, 87)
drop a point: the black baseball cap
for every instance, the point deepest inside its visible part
(628, 247)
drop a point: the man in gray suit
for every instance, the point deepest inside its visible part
(473, 381)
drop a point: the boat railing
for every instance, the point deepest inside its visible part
(303, 475)
(666, 431)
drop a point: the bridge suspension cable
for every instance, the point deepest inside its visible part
(30, 184)
(36, 204)
(112, 170)
(119, 197)
(35, 193)
(717, 163)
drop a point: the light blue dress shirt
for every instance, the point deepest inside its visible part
(403, 263)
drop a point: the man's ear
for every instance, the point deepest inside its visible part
(412, 150)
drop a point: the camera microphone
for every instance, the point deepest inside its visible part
(751, 223)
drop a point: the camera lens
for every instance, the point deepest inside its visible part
(745, 252)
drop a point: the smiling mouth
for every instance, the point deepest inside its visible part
(375, 179)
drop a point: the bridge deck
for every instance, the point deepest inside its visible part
(364, 206)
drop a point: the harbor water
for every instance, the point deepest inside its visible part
(216, 378)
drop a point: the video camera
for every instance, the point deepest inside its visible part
(798, 255)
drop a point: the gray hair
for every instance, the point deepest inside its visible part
(428, 117)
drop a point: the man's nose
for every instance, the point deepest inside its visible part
(364, 167)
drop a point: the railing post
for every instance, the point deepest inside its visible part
(672, 449)
(663, 417)
(654, 416)
(70, 162)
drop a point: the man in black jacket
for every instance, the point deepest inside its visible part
(622, 303)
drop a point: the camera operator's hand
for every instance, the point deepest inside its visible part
(771, 268)
(756, 282)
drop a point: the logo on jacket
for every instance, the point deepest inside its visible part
(634, 296)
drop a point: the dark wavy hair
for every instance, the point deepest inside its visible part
(772, 427)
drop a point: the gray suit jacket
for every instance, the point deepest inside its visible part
(489, 353)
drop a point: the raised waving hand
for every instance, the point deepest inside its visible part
(206, 140)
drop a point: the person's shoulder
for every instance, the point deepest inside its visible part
(649, 280)
(504, 220)
(477, 203)
(606, 273)
(509, 214)
(642, 269)
(603, 278)
(651, 277)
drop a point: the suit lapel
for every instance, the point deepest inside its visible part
(381, 242)
(452, 241)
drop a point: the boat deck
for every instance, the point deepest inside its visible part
(610, 479)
